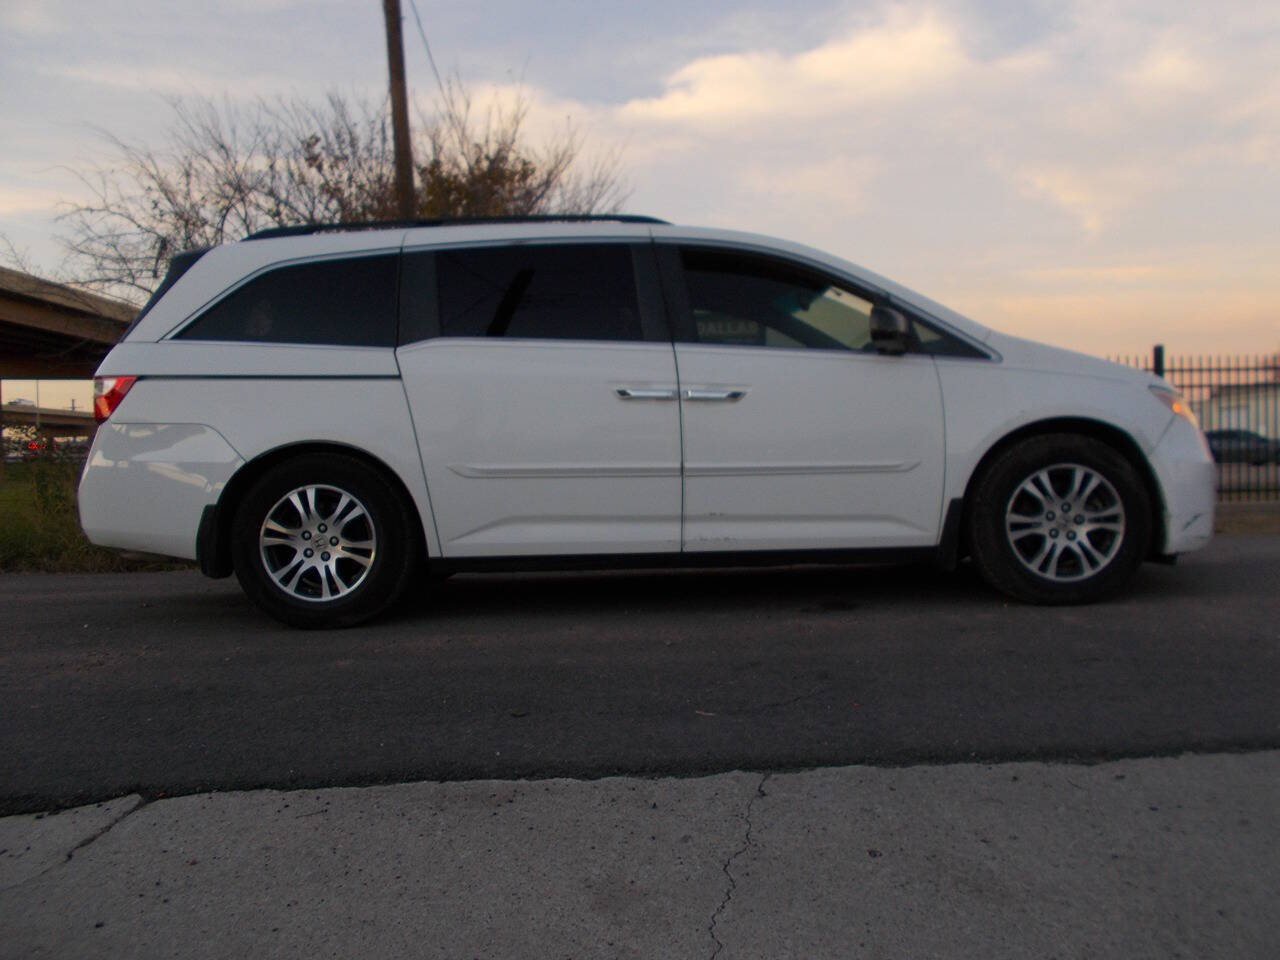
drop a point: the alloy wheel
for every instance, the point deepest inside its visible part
(317, 543)
(1065, 522)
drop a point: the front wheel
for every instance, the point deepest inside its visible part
(322, 541)
(1059, 519)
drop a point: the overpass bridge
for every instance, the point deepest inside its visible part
(49, 331)
(49, 421)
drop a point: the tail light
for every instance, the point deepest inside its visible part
(107, 394)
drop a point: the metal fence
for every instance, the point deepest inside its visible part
(1238, 402)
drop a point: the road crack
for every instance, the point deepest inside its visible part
(81, 844)
(111, 825)
(747, 843)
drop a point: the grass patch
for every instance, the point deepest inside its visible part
(40, 527)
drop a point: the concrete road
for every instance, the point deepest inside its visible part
(168, 684)
(1134, 860)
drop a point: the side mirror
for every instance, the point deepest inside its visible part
(890, 330)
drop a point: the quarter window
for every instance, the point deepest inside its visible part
(938, 344)
(562, 292)
(349, 302)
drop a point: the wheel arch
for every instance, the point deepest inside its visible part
(213, 541)
(1113, 436)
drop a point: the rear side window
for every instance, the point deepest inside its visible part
(562, 292)
(349, 302)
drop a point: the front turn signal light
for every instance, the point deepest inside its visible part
(1176, 403)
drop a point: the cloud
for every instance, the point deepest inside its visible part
(184, 80)
(16, 202)
(1091, 196)
(1168, 69)
(134, 78)
(845, 180)
(887, 61)
(30, 17)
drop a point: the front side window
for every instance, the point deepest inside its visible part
(756, 301)
(744, 299)
(558, 291)
(347, 302)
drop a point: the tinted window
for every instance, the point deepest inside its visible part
(340, 302)
(418, 297)
(574, 292)
(742, 299)
(940, 344)
(757, 301)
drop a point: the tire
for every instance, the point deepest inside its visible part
(335, 584)
(1025, 547)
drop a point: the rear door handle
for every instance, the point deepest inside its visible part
(728, 396)
(645, 393)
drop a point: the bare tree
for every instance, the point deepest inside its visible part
(18, 259)
(481, 167)
(227, 171)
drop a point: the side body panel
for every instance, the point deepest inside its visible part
(987, 401)
(530, 449)
(143, 456)
(824, 449)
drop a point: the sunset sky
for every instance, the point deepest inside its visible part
(1099, 175)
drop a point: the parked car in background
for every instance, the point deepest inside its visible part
(319, 409)
(1242, 446)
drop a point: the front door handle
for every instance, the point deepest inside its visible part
(645, 393)
(728, 396)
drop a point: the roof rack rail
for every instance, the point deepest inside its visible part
(304, 229)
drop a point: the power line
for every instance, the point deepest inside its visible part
(426, 46)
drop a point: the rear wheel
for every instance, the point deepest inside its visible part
(323, 541)
(1059, 519)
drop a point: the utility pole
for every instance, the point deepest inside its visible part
(399, 110)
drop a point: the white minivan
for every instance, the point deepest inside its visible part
(324, 410)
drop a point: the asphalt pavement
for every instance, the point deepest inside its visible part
(169, 684)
